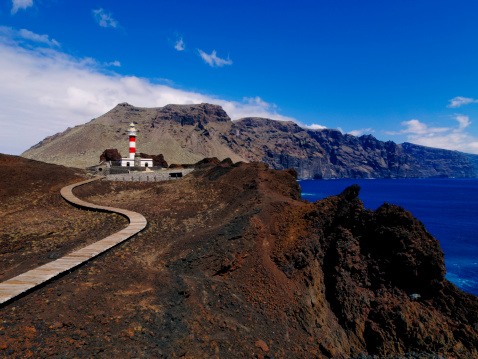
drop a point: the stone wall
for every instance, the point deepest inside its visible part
(153, 176)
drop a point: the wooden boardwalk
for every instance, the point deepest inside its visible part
(14, 287)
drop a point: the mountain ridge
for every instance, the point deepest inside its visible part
(188, 133)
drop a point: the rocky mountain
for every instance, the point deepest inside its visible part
(188, 133)
(317, 154)
(233, 264)
(183, 134)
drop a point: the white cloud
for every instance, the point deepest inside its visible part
(314, 126)
(104, 19)
(258, 101)
(20, 4)
(360, 132)
(460, 101)
(28, 35)
(464, 122)
(24, 34)
(213, 60)
(353, 132)
(180, 45)
(43, 91)
(419, 128)
(113, 63)
(416, 127)
(451, 138)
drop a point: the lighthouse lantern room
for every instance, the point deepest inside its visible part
(132, 160)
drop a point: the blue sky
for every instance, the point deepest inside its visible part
(400, 70)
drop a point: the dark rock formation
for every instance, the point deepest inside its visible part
(110, 155)
(205, 162)
(381, 275)
(325, 154)
(210, 161)
(436, 162)
(192, 115)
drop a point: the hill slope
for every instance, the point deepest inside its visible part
(184, 134)
(188, 133)
(36, 224)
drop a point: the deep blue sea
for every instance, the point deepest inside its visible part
(447, 207)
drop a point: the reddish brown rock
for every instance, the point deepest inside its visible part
(262, 344)
(111, 154)
(211, 161)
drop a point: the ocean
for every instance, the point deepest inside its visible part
(447, 207)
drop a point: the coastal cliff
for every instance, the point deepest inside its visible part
(326, 154)
(188, 133)
(235, 264)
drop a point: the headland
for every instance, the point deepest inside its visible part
(233, 264)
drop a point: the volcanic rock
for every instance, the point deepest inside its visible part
(110, 155)
(234, 262)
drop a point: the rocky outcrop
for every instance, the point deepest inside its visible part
(192, 115)
(111, 154)
(188, 133)
(381, 276)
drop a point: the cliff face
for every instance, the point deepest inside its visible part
(441, 163)
(188, 133)
(234, 264)
(317, 154)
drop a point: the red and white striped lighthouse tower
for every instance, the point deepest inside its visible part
(132, 160)
(132, 141)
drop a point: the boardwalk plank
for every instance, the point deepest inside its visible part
(15, 287)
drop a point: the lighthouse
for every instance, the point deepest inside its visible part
(132, 141)
(132, 160)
